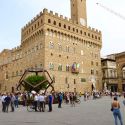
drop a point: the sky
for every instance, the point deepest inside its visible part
(14, 14)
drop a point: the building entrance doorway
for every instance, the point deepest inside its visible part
(113, 87)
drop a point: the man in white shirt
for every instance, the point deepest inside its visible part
(35, 101)
(3, 102)
(41, 99)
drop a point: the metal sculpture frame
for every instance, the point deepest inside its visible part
(22, 81)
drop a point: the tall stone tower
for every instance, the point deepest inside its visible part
(78, 11)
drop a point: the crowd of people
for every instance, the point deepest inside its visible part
(40, 100)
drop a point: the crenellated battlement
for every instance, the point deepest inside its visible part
(58, 16)
(94, 30)
(16, 48)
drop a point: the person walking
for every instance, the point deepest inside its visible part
(115, 107)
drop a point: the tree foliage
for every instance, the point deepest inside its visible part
(34, 80)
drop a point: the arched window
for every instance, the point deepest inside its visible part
(64, 26)
(59, 24)
(67, 48)
(41, 21)
(49, 20)
(51, 45)
(51, 66)
(68, 27)
(92, 71)
(32, 27)
(67, 68)
(77, 30)
(35, 25)
(81, 31)
(60, 47)
(60, 67)
(54, 22)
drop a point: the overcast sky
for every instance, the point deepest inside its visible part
(14, 14)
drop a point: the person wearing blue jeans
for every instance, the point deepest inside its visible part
(116, 111)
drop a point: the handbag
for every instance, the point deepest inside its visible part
(112, 109)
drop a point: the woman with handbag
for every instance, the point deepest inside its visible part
(115, 108)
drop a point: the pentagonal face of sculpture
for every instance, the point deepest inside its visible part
(36, 79)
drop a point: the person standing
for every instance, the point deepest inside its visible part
(50, 100)
(12, 96)
(41, 99)
(16, 102)
(35, 102)
(115, 106)
(7, 102)
(3, 102)
(60, 98)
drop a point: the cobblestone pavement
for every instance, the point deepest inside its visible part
(92, 112)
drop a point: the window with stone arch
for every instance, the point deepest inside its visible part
(51, 66)
(64, 26)
(67, 68)
(60, 47)
(92, 71)
(41, 21)
(54, 22)
(49, 20)
(60, 67)
(68, 27)
(51, 45)
(59, 24)
(67, 48)
(38, 24)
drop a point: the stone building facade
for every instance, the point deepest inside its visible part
(67, 48)
(113, 70)
(120, 61)
(109, 71)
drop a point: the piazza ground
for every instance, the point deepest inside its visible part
(92, 112)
